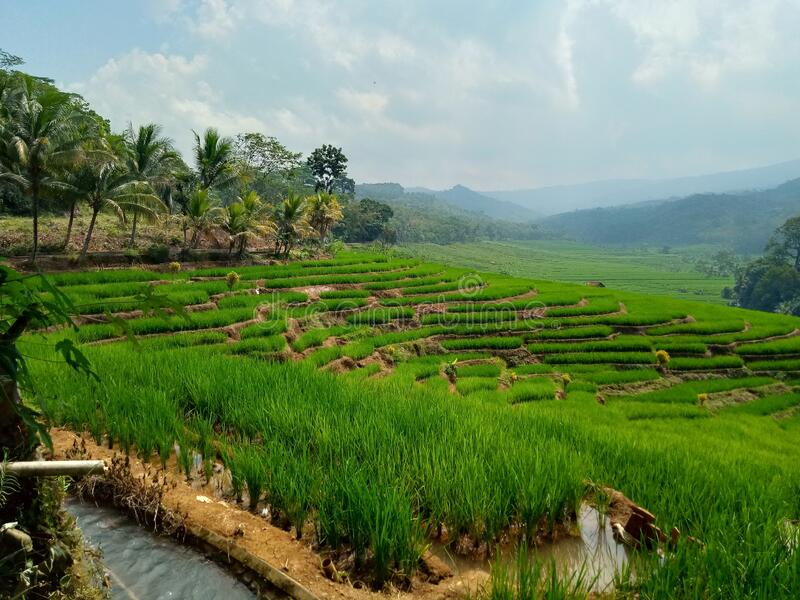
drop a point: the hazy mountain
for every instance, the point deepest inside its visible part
(424, 216)
(743, 221)
(472, 201)
(561, 198)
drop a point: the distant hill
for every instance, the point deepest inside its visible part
(742, 221)
(429, 217)
(475, 202)
(562, 198)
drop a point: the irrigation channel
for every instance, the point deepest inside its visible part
(144, 566)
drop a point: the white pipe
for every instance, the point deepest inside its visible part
(54, 468)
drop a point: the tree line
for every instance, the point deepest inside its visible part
(772, 281)
(57, 154)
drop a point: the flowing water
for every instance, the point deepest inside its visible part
(144, 566)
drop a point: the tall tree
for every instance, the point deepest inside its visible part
(787, 241)
(290, 223)
(324, 212)
(245, 220)
(150, 158)
(214, 159)
(39, 132)
(328, 166)
(265, 154)
(201, 215)
(108, 185)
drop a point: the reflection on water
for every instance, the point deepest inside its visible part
(145, 566)
(595, 554)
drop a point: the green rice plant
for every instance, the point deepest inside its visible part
(531, 578)
(184, 340)
(591, 331)
(688, 392)
(620, 377)
(768, 405)
(478, 370)
(642, 411)
(250, 464)
(705, 364)
(772, 347)
(273, 324)
(580, 385)
(496, 343)
(627, 358)
(698, 328)
(535, 388)
(358, 350)
(679, 346)
(470, 385)
(774, 365)
(348, 293)
(322, 356)
(342, 303)
(468, 317)
(374, 316)
(600, 307)
(532, 369)
(261, 345)
(315, 337)
(616, 345)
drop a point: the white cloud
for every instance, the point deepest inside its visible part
(215, 19)
(707, 39)
(370, 102)
(168, 89)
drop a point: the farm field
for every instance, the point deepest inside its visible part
(374, 403)
(648, 271)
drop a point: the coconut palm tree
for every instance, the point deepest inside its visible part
(323, 211)
(40, 131)
(290, 223)
(244, 220)
(150, 158)
(214, 158)
(109, 186)
(202, 214)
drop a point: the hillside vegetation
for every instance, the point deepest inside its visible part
(374, 403)
(447, 218)
(743, 222)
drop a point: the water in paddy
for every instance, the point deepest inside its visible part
(594, 553)
(145, 566)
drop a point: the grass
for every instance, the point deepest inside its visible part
(705, 364)
(767, 405)
(497, 343)
(640, 270)
(374, 463)
(627, 358)
(688, 392)
(374, 316)
(470, 385)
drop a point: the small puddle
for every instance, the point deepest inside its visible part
(595, 553)
(144, 566)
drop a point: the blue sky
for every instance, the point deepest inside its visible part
(493, 95)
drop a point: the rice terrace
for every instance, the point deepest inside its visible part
(380, 406)
(410, 300)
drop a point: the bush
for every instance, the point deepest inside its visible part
(156, 253)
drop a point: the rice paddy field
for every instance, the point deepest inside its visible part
(373, 402)
(667, 272)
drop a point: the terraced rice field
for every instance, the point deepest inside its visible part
(373, 403)
(667, 272)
